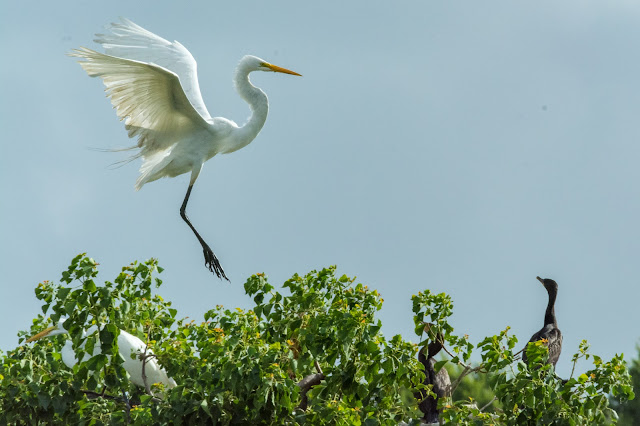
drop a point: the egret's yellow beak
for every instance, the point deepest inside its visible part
(40, 335)
(276, 68)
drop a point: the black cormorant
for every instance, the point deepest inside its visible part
(440, 381)
(550, 331)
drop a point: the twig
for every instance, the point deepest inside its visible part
(453, 386)
(126, 401)
(575, 361)
(95, 395)
(488, 403)
(462, 364)
(467, 370)
(143, 357)
(519, 352)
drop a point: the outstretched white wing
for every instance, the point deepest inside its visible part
(130, 41)
(148, 97)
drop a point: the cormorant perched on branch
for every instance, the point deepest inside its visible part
(550, 331)
(440, 381)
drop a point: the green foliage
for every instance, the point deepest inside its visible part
(37, 386)
(250, 366)
(629, 411)
(528, 394)
(235, 367)
(474, 387)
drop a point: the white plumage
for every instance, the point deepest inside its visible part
(128, 344)
(153, 86)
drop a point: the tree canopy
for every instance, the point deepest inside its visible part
(629, 411)
(311, 352)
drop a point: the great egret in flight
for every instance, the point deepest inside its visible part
(153, 86)
(550, 330)
(128, 344)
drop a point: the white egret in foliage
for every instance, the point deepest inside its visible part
(128, 344)
(153, 86)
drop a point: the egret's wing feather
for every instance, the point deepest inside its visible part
(129, 344)
(130, 41)
(148, 97)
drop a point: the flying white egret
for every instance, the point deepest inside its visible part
(127, 344)
(153, 86)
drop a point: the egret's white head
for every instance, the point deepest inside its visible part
(253, 63)
(54, 330)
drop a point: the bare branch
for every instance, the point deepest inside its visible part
(126, 401)
(573, 368)
(462, 364)
(454, 385)
(440, 340)
(307, 383)
(467, 370)
(143, 357)
(95, 395)
(495, 398)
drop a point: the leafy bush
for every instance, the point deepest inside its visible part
(312, 356)
(629, 411)
(528, 394)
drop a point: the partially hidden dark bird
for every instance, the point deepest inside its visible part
(550, 330)
(440, 381)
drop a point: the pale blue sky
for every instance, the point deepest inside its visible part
(464, 147)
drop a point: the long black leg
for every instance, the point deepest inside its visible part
(210, 259)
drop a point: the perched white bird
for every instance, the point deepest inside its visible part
(153, 86)
(127, 345)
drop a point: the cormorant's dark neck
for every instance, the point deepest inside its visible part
(429, 352)
(434, 348)
(550, 314)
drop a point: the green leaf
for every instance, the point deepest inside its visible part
(97, 362)
(439, 365)
(62, 293)
(89, 286)
(92, 384)
(205, 406)
(70, 306)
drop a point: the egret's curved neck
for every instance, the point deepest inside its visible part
(258, 103)
(550, 314)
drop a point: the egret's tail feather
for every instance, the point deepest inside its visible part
(152, 166)
(120, 163)
(129, 148)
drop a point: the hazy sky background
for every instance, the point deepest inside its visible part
(464, 147)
